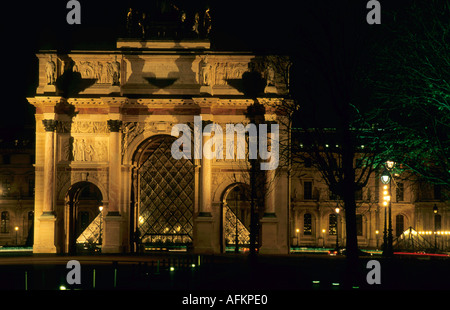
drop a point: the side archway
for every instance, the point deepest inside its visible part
(235, 218)
(83, 220)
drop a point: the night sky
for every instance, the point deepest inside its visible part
(285, 27)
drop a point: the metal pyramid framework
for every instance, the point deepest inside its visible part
(231, 220)
(92, 233)
(166, 198)
(411, 240)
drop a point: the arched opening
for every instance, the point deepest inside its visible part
(236, 218)
(83, 218)
(399, 224)
(163, 197)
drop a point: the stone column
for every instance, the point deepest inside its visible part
(112, 238)
(48, 218)
(205, 184)
(49, 166)
(269, 222)
(204, 238)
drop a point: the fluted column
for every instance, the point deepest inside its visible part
(113, 221)
(49, 166)
(205, 241)
(114, 166)
(45, 237)
(205, 184)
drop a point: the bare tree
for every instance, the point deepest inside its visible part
(410, 86)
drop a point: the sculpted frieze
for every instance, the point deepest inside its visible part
(82, 127)
(104, 72)
(83, 149)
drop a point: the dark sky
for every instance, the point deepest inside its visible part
(280, 26)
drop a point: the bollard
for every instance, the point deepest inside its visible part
(26, 281)
(115, 277)
(93, 278)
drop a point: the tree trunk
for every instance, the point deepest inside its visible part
(348, 191)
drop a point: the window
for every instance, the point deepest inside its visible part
(399, 193)
(332, 227)
(399, 225)
(6, 187)
(307, 190)
(307, 224)
(359, 224)
(437, 222)
(437, 192)
(4, 225)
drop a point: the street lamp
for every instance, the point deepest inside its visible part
(236, 245)
(298, 236)
(337, 224)
(435, 211)
(100, 208)
(16, 229)
(323, 234)
(387, 235)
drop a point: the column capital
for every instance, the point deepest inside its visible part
(49, 124)
(114, 125)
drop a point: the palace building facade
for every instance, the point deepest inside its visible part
(105, 176)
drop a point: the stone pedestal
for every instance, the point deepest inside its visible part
(204, 235)
(112, 234)
(269, 234)
(46, 238)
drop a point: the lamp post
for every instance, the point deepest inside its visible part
(376, 236)
(101, 219)
(16, 229)
(435, 211)
(236, 242)
(387, 235)
(337, 224)
(323, 238)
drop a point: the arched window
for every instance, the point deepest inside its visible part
(437, 222)
(4, 225)
(332, 227)
(399, 224)
(307, 224)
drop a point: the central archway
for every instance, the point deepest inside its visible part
(163, 196)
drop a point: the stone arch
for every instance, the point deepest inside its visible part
(228, 226)
(163, 195)
(77, 178)
(71, 208)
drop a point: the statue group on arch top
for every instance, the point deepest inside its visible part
(164, 19)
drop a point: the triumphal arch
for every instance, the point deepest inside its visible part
(105, 175)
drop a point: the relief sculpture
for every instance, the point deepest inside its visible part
(103, 72)
(84, 150)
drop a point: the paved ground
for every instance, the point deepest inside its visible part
(221, 272)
